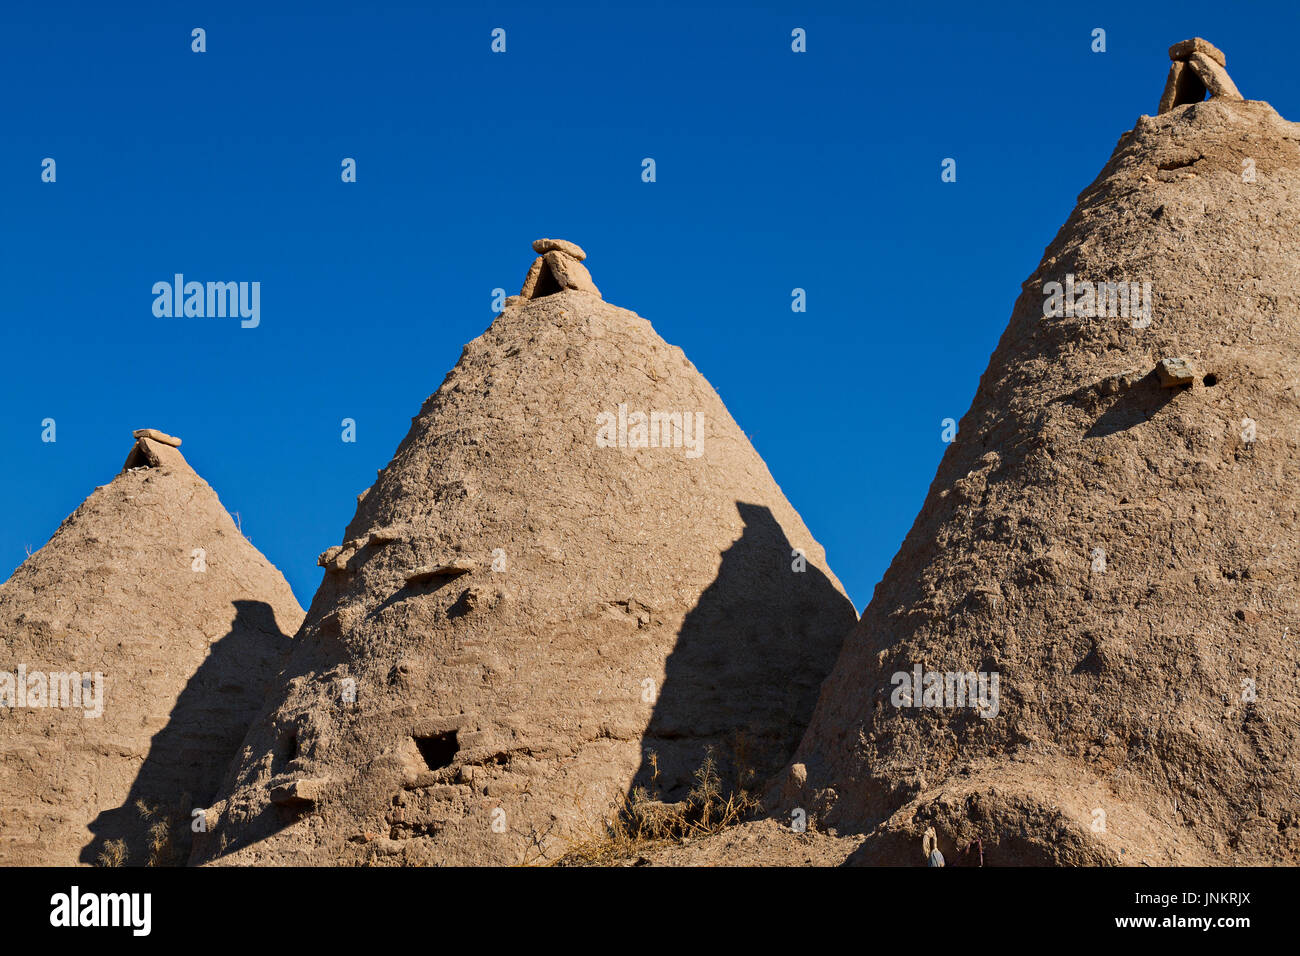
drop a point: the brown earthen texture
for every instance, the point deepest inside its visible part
(522, 625)
(1148, 700)
(186, 657)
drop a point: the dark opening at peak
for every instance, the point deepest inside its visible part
(140, 458)
(547, 284)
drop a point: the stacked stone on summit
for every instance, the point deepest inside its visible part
(1185, 48)
(1198, 67)
(569, 272)
(154, 449)
(1214, 76)
(543, 246)
(530, 280)
(156, 435)
(558, 268)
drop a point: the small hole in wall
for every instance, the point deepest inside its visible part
(438, 750)
(1211, 380)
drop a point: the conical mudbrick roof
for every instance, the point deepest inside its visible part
(574, 559)
(134, 649)
(1113, 537)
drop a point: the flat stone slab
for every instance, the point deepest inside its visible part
(1174, 373)
(570, 273)
(449, 570)
(303, 791)
(155, 435)
(1184, 49)
(530, 280)
(543, 246)
(1214, 76)
(381, 536)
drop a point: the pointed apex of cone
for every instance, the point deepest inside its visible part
(1198, 67)
(154, 449)
(558, 268)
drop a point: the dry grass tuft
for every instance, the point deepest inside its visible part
(639, 822)
(113, 853)
(168, 834)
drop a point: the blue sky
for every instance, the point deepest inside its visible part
(775, 170)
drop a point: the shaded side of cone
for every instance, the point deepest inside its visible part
(178, 624)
